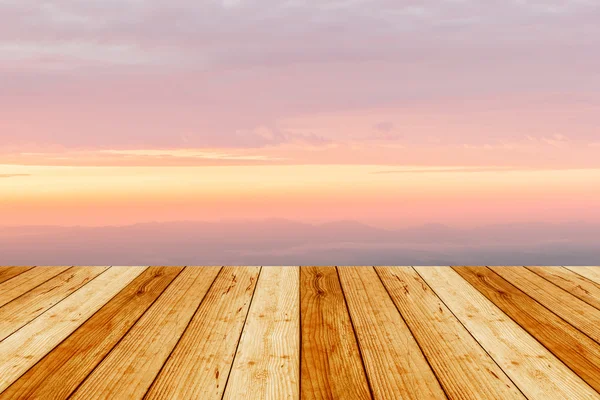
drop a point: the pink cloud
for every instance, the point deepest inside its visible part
(129, 75)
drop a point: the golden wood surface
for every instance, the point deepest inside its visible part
(299, 332)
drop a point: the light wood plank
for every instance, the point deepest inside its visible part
(536, 371)
(7, 273)
(21, 350)
(26, 281)
(591, 273)
(24, 309)
(130, 368)
(201, 361)
(58, 374)
(394, 362)
(460, 363)
(331, 361)
(573, 310)
(523, 355)
(577, 285)
(267, 362)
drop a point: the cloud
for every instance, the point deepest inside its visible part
(384, 131)
(235, 32)
(13, 175)
(385, 126)
(555, 140)
(189, 154)
(134, 74)
(274, 136)
(70, 55)
(438, 170)
(139, 157)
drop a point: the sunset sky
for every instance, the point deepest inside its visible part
(390, 113)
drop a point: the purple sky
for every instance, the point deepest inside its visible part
(133, 74)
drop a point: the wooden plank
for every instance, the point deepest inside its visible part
(7, 273)
(459, 362)
(21, 350)
(58, 374)
(130, 368)
(575, 349)
(591, 273)
(267, 362)
(24, 309)
(199, 365)
(577, 285)
(26, 281)
(393, 360)
(573, 310)
(331, 362)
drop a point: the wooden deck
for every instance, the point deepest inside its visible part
(290, 333)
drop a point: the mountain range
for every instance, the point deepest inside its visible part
(286, 242)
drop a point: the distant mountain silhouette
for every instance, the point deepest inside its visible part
(286, 242)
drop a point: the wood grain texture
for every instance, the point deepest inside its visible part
(7, 273)
(27, 346)
(27, 307)
(577, 285)
(591, 273)
(130, 368)
(331, 361)
(267, 362)
(573, 310)
(58, 374)
(401, 370)
(199, 366)
(444, 340)
(291, 333)
(570, 345)
(536, 371)
(26, 281)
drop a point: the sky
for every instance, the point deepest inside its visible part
(393, 114)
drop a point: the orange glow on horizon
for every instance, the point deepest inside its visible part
(38, 195)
